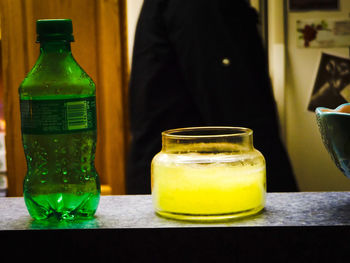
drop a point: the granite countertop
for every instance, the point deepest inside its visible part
(293, 227)
(136, 212)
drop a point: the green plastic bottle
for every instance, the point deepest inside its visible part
(58, 123)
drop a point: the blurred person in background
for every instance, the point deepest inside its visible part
(201, 63)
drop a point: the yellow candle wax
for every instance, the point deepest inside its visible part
(215, 185)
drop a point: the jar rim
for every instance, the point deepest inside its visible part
(207, 132)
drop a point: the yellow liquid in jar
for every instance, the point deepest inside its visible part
(217, 185)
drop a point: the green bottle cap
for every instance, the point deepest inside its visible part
(54, 29)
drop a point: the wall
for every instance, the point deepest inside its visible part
(313, 166)
(133, 10)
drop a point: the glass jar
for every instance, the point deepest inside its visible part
(208, 174)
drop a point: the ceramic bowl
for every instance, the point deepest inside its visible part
(334, 126)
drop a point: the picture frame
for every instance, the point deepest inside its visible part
(309, 5)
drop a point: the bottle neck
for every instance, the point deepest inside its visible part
(55, 47)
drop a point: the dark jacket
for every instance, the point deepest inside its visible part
(200, 63)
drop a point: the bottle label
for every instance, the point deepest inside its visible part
(58, 116)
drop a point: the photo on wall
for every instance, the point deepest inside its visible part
(323, 33)
(332, 83)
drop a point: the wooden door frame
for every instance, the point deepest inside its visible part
(111, 93)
